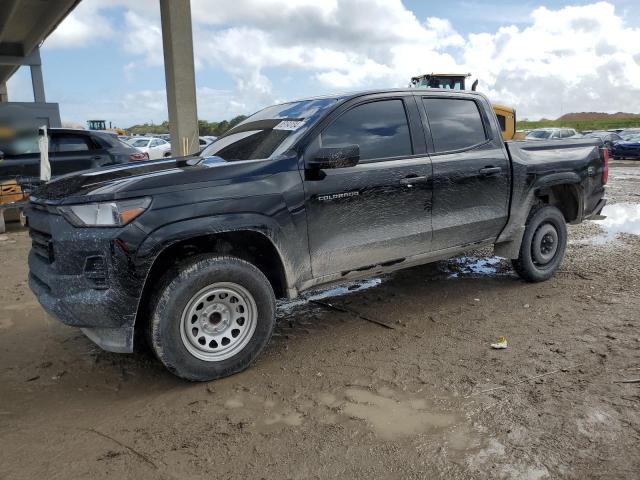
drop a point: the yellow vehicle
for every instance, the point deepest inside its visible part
(457, 81)
(102, 125)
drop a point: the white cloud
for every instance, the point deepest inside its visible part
(84, 26)
(571, 59)
(566, 59)
(147, 106)
(143, 37)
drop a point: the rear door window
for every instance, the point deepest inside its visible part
(379, 128)
(70, 143)
(455, 123)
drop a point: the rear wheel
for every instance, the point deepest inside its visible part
(212, 317)
(543, 245)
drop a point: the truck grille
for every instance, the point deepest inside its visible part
(41, 244)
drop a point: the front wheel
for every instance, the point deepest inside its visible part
(212, 317)
(543, 245)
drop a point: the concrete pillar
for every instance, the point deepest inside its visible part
(38, 84)
(4, 95)
(179, 70)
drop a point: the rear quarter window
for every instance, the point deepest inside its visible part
(455, 123)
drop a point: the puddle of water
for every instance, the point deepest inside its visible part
(391, 418)
(291, 419)
(477, 266)
(621, 218)
(343, 289)
(233, 403)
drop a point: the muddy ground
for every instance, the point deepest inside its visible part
(336, 396)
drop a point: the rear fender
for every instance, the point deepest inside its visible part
(510, 239)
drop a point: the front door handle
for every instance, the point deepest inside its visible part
(490, 170)
(413, 180)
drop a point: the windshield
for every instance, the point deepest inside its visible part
(539, 134)
(268, 132)
(141, 142)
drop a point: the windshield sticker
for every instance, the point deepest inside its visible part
(288, 125)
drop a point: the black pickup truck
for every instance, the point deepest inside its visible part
(191, 253)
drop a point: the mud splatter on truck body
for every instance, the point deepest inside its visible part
(292, 193)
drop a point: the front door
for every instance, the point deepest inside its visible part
(379, 210)
(471, 174)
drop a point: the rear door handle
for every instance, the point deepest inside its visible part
(490, 170)
(413, 180)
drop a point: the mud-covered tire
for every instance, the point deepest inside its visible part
(169, 333)
(543, 245)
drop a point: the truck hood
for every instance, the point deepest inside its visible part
(145, 178)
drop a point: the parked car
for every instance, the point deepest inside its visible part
(628, 148)
(629, 133)
(552, 134)
(154, 147)
(608, 138)
(192, 253)
(70, 150)
(205, 141)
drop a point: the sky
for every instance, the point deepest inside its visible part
(543, 58)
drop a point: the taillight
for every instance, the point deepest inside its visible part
(138, 156)
(605, 166)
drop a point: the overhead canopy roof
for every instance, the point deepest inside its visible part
(25, 24)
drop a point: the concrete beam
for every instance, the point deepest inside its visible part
(6, 13)
(179, 70)
(32, 59)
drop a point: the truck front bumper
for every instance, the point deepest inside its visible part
(98, 313)
(85, 279)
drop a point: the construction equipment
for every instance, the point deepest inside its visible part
(457, 81)
(102, 126)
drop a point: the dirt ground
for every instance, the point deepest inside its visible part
(337, 396)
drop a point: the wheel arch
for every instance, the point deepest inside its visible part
(562, 190)
(249, 243)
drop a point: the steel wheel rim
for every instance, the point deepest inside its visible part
(545, 244)
(218, 321)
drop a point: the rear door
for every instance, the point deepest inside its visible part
(27, 162)
(73, 152)
(378, 210)
(471, 172)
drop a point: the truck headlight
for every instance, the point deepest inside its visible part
(108, 214)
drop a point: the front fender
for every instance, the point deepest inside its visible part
(170, 234)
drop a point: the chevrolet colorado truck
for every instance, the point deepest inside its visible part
(191, 253)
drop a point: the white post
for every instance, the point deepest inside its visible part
(43, 144)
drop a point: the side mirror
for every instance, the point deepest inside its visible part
(335, 157)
